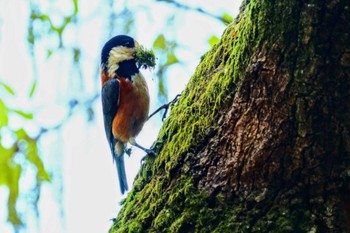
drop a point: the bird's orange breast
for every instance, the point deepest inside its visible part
(132, 110)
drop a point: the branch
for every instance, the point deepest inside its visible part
(190, 8)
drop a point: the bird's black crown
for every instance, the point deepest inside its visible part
(120, 40)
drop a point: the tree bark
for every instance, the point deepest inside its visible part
(260, 138)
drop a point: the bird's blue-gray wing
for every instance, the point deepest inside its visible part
(110, 99)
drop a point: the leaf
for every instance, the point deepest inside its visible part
(3, 114)
(49, 53)
(33, 157)
(13, 216)
(10, 174)
(21, 134)
(31, 36)
(5, 160)
(24, 114)
(44, 17)
(213, 40)
(128, 26)
(171, 59)
(32, 89)
(7, 88)
(160, 42)
(76, 7)
(162, 89)
(226, 18)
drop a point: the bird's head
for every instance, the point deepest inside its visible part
(123, 56)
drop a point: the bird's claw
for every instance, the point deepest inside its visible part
(149, 152)
(128, 151)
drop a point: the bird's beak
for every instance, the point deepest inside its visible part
(137, 45)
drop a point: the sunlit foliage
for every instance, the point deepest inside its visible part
(18, 151)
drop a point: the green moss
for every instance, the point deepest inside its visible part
(135, 227)
(184, 208)
(145, 58)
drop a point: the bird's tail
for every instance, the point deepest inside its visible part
(119, 161)
(118, 156)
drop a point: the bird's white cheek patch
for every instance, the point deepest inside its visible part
(117, 55)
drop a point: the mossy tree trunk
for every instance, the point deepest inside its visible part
(260, 138)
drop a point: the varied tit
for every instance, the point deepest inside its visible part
(125, 99)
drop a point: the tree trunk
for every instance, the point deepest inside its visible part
(260, 138)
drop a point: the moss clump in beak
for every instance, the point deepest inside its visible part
(144, 58)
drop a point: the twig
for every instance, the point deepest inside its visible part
(166, 106)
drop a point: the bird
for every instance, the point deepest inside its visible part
(125, 99)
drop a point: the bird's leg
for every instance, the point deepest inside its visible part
(166, 107)
(133, 142)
